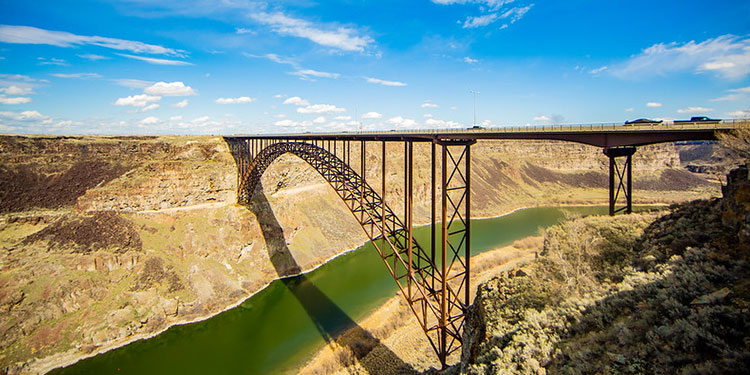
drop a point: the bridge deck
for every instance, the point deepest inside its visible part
(601, 135)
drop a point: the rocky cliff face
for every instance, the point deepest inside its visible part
(626, 295)
(107, 239)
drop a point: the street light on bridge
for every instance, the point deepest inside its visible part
(475, 105)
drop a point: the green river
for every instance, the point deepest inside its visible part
(279, 328)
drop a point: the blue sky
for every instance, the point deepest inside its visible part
(235, 66)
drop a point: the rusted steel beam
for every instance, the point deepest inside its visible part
(444, 259)
(620, 178)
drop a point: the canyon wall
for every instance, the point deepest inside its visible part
(104, 240)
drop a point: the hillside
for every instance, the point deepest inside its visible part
(104, 240)
(626, 295)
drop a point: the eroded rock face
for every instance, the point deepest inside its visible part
(736, 204)
(101, 230)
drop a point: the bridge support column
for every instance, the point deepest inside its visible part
(455, 249)
(620, 178)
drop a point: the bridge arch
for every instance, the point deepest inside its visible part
(435, 303)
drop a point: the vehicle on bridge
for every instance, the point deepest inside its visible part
(700, 119)
(643, 121)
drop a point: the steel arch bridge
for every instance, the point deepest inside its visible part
(437, 289)
(435, 280)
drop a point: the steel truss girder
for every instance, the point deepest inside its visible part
(620, 178)
(437, 290)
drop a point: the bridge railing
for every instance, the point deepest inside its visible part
(724, 124)
(564, 128)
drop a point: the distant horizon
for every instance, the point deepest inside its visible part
(137, 67)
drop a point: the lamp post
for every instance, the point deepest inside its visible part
(475, 105)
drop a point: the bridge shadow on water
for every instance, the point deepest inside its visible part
(334, 325)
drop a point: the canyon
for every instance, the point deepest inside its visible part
(106, 240)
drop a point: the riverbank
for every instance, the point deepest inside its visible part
(395, 327)
(73, 356)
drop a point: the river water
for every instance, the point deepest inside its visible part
(279, 328)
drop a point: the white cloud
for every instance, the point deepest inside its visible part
(340, 37)
(741, 114)
(372, 115)
(296, 100)
(433, 123)
(319, 120)
(175, 118)
(93, 57)
(26, 116)
(513, 14)
(279, 96)
(427, 115)
(169, 89)
(284, 123)
(307, 73)
(469, 60)
(14, 100)
(15, 90)
(18, 77)
(737, 95)
(181, 104)
(33, 35)
(598, 70)
(343, 118)
(492, 4)
(242, 30)
(133, 83)
(429, 105)
(297, 125)
(137, 100)
(384, 82)
(155, 61)
(542, 119)
(629, 109)
(275, 58)
(653, 104)
(516, 13)
(320, 108)
(694, 110)
(727, 56)
(240, 100)
(401, 122)
(479, 21)
(52, 61)
(150, 120)
(728, 97)
(76, 75)
(150, 107)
